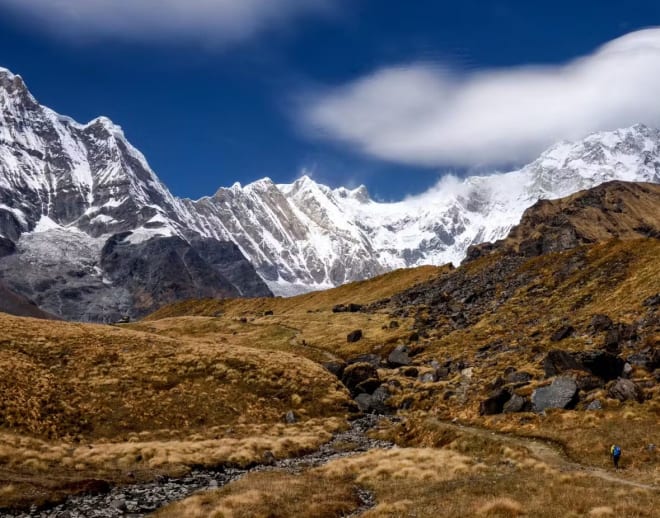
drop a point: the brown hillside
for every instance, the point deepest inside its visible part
(18, 305)
(613, 210)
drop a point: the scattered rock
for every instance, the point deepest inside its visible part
(399, 357)
(119, 504)
(393, 324)
(495, 403)
(600, 322)
(561, 393)
(618, 335)
(653, 300)
(347, 308)
(268, 313)
(594, 405)
(428, 377)
(562, 333)
(626, 390)
(647, 360)
(354, 336)
(290, 417)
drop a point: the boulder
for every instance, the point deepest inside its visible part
(626, 390)
(561, 393)
(441, 373)
(515, 404)
(399, 357)
(336, 367)
(379, 401)
(602, 364)
(354, 336)
(290, 417)
(363, 402)
(495, 403)
(558, 361)
(561, 333)
(358, 373)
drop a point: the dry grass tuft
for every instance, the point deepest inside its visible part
(501, 506)
(271, 495)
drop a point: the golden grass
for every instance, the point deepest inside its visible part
(271, 495)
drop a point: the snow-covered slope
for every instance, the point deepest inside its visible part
(58, 174)
(303, 235)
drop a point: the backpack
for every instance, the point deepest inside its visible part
(616, 451)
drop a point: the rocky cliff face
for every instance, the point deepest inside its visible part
(69, 193)
(86, 179)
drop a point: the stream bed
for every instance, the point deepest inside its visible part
(141, 499)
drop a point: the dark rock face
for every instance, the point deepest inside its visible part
(226, 259)
(626, 390)
(160, 271)
(7, 247)
(561, 393)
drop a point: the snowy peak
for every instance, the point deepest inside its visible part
(58, 173)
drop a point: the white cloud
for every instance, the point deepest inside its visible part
(425, 114)
(218, 21)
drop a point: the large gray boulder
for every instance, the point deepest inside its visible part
(561, 393)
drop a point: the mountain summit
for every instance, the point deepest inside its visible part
(87, 219)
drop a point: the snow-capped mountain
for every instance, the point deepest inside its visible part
(305, 235)
(60, 178)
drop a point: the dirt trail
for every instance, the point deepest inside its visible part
(548, 452)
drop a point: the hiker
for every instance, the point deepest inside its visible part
(615, 452)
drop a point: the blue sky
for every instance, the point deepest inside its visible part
(351, 90)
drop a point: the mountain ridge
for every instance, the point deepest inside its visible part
(87, 179)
